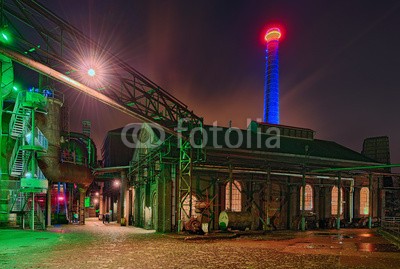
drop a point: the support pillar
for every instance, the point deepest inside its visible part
(351, 201)
(122, 196)
(33, 212)
(101, 199)
(48, 204)
(370, 201)
(82, 194)
(303, 201)
(339, 201)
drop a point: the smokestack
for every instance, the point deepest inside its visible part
(271, 83)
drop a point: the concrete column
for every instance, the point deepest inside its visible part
(339, 204)
(101, 198)
(316, 201)
(82, 194)
(371, 201)
(303, 200)
(351, 201)
(122, 193)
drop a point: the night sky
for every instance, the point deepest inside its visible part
(339, 61)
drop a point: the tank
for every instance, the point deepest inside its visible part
(235, 220)
(52, 165)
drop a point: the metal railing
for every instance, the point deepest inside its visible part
(391, 224)
(72, 157)
(40, 139)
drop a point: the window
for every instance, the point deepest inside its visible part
(364, 201)
(309, 198)
(236, 196)
(186, 207)
(335, 200)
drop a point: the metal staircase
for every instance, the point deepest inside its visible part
(21, 205)
(20, 118)
(23, 165)
(19, 160)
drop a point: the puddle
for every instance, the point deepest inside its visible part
(322, 246)
(370, 247)
(367, 235)
(323, 234)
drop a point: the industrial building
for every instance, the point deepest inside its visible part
(197, 178)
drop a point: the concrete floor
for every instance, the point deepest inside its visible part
(98, 245)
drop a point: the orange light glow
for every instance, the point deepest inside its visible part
(272, 34)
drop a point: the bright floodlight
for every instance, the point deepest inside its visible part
(91, 72)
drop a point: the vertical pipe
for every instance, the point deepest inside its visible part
(33, 212)
(32, 143)
(48, 203)
(351, 200)
(65, 200)
(164, 194)
(370, 202)
(339, 201)
(58, 199)
(303, 201)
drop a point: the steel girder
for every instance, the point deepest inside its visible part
(42, 36)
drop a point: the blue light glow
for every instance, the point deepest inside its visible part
(271, 83)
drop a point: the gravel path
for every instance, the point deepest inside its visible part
(98, 245)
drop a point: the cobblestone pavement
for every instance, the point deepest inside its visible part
(98, 245)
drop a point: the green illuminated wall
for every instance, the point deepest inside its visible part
(5, 183)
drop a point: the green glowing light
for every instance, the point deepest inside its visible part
(4, 36)
(87, 201)
(15, 88)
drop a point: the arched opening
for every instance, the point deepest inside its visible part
(233, 201)
(364, 201)
(308, 204)
(334, 200)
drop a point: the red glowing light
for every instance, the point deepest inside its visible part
(273, 34)
(60, 198)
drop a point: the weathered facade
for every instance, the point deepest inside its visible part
(241, 172)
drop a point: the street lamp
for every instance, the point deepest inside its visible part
(91, 72)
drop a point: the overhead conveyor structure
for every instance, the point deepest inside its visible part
(38, 39)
